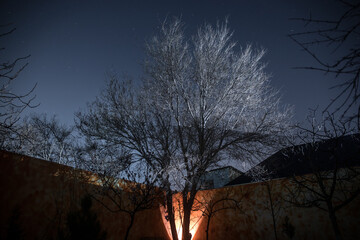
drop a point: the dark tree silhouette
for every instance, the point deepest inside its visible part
(14, 229)
(287, 228)
(210, 203)
(274, 202)
(341, 37)
(83, 223)
(131, 196)
(44, 137)
(331, 152)
(11, 104)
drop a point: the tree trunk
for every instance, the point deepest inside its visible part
(187, 206)
(207, 227)
(132, 217)
(171, 217)
(334, 221)
(272, 209)
(186, 223)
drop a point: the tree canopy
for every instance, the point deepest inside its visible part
(203, 100)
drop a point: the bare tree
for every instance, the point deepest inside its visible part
(11, 104)
(330, 155)
(202, 103)
(131, 196)
(340, 36)
(139, 192)
(43, 137)
(274, 204)
(210, 203)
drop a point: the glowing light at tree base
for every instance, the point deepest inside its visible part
(195, 221)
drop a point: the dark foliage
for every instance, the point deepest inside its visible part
(14, 231)
(83, 223)
(288, 229)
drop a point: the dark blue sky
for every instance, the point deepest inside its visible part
(74, 43)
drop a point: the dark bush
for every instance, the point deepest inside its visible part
(83, 223)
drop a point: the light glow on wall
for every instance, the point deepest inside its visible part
(195, 221)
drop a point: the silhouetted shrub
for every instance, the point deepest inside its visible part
(288, 228)
(14, 230)
(82, 224)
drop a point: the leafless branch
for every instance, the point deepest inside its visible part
(12, 104)
(340, 35)
(203, 101)
(330, 148)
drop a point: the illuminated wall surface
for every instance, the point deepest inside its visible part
(42, 192)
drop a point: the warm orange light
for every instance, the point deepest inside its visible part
(195, 220)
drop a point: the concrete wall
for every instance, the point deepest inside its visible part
(254, 220)
(43, 193)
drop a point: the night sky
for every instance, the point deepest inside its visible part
(73, 44)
